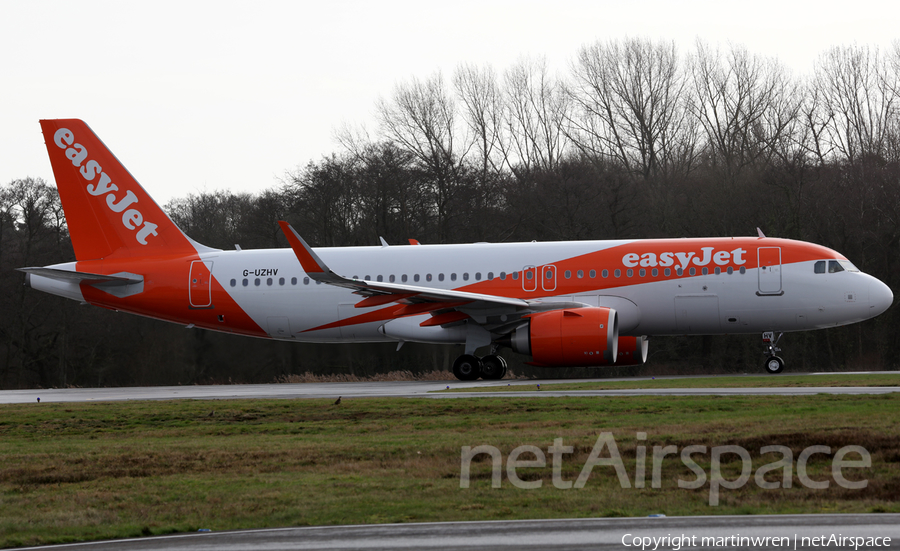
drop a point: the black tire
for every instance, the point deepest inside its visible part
(467, 367)
(774, 365)
(493, 367)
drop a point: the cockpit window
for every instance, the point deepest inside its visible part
(847, 265)
(834, 266)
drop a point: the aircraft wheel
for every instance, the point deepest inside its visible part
(467, 367)
(774, 365)
(493, 367)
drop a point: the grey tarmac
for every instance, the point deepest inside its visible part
(721, 532)
(405, 389)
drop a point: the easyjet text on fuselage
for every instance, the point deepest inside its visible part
(684, 259)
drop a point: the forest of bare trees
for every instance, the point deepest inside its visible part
(635, 139)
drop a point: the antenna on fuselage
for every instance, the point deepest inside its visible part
(761, 234)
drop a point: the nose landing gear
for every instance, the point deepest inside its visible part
(774, 364)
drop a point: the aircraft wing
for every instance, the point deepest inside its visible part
(441, 302)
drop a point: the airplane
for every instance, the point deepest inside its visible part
(565, 304)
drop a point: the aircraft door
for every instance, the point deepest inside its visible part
(769, 270)
(199, 288)
(529, 278)
(548, 277)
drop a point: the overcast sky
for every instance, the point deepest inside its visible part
(203, 95)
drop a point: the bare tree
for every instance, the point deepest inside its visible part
(855, 105)
(421, 119)
(482, 101)
(745, 105)
(536, 110)
(631, 107)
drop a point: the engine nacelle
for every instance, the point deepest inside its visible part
(582, 337)
(569, 337)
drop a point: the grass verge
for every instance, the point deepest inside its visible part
(75, 472)
(786, 381)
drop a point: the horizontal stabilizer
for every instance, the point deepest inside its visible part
(67, 275)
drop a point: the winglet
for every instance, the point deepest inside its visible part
(312, 264)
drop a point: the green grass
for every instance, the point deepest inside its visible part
(779, 381)
(75, 472)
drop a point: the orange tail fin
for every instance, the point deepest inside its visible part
(108, 213)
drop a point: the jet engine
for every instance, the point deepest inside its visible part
(577, 337)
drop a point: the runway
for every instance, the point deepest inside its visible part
(401, 389)
(806, 532)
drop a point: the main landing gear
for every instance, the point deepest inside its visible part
(469, 367)
(774, 364)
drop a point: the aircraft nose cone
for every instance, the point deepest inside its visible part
(880, 297)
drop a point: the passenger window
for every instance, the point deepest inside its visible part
(293, 281)
(490, 275)
(440, 277)
(465, 276)
(568, 274)
(643, 272)
(403, 278)
(415, 278)
(655, 272)
(427, 277)
(834, 267)
(256, 282)
(305, 281)
(380, 278)
(580, 274)
(820, 267)
(281, 281)
(245, 283)
(515, 276)
(618, 273)
(269, 282)
(233, 282)
(453, 276)
(503, 276)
